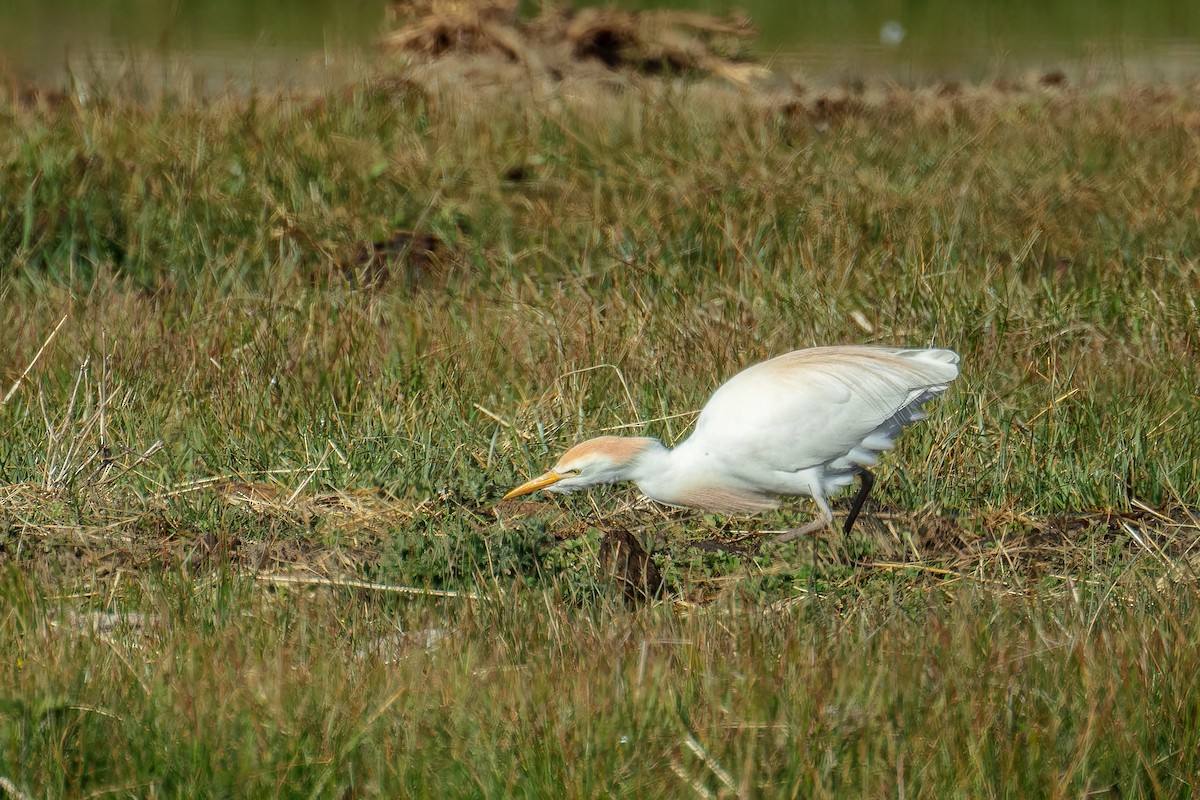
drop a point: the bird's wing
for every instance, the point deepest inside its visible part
(812, 407)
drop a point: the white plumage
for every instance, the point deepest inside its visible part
(803, 423)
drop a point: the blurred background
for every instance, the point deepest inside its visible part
(909, 42)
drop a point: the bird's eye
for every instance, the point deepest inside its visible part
(571, 473)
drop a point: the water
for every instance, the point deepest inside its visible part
(908, 41)
(274, 41)
(978, 39)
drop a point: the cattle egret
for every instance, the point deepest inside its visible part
(803, 423)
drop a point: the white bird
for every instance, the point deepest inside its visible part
(803, 423)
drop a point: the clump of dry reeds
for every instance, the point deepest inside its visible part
(436, 28)
(560, 41)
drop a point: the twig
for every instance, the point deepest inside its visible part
(313, 580)
(17, 383)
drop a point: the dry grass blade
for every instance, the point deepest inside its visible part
(694, 784)
(102, 622)
(79, 439)
(633, 408)
(17, 383)
(11, 788)
(722, 774)
(349, 583)
(1149, 544)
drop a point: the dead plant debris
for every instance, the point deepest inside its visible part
(562, 42)
(624, 561)
(96, 536)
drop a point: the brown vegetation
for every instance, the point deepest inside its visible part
(560, 43)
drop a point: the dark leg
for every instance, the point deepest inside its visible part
(868, 480)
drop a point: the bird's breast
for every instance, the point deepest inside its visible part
(723, 499)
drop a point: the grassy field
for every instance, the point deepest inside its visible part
(252, 342)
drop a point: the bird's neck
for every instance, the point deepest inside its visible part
(690, 477)
(661, 473)
(653, 458)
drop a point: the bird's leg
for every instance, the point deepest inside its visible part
(868, 480)
(824, 520)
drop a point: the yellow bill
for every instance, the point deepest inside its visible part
(529, 487)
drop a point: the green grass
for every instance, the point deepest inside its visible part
(224, 689)
(1013, 617)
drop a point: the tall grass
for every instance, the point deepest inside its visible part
(220, 689)
(229, 395)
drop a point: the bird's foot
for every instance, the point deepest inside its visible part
(804, 530)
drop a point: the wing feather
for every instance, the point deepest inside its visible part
(822, 405)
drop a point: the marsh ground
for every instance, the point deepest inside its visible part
(253, 341)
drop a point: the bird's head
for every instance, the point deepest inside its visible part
(606, 459)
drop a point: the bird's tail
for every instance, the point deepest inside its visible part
(939, 366)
